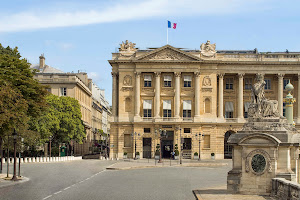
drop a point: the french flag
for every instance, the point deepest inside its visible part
(172, 25)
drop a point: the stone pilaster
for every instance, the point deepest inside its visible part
(298, 100)
(137, 94)
(197, 94)
(221, 88)
(114, 95)
(240, 97)
(177, 94)
(280, 93)
(157, 94)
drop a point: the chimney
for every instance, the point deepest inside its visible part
(42, 61)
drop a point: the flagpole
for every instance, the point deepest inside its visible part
(167, 35)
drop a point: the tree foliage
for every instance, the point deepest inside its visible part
(61, 120)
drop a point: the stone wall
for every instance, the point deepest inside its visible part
(285, 190)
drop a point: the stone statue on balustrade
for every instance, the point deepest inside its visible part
(261, 107)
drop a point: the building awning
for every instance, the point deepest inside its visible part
(167, 78)
(246, 106)
(187, 78)
(147, 104)
(147, 78)
(187, 105)
(229, 107)
(167, 104)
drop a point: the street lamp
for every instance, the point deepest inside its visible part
(134, 135)
(180, 155)
(19, 172)
(50, 139)
(199, 158)
(14, 178)
(162, 133)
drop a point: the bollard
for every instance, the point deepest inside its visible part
(4, 161)
(22, 160)
(33, 159)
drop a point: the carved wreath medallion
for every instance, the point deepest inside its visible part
(258, 162)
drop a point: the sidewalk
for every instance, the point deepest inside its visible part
(221, 193)
(4, 181)
(151, 163)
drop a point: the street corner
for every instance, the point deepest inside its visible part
(6, 180)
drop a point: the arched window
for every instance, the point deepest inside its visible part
(207, 105)
(227, 147)
(127, 104)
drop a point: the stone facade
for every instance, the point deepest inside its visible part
(188, 92)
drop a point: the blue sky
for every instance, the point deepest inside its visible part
(81, 35)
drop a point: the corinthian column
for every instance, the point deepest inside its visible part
(137, 93)
(114, 94)
(280, 93)
(221, 76)
(197, 94)
(240, 96)
(177, 93)
(298, 100)
(157, 93)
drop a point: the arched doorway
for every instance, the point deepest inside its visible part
(227, 147)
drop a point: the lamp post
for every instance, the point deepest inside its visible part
(161, 134)
(14, 178)
(180, 155)
(50, 139)
(199, 158)
(134, 135)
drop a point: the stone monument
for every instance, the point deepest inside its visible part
(266, 147)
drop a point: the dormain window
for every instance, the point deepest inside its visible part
(147, 107)
(229, 83)
(187, 108)
(167, 81)
(187, 81)
(268, 84)
(147, 81)
(228, 109)
(248, 83)
(167, 111)
(63, 91)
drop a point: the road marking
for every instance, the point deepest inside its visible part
(58, 192)
(67, 188)
(81, 181)
(87, 179)
(47, 197)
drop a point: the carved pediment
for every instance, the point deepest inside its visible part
(168, 53)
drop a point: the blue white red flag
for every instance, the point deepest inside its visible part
(172, 25)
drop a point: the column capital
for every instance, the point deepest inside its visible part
(280, 75)
(241, 75)
(197, 74)
(221, 75)
(157, 74)
(137, 74)
(114, 74)
(177, 74)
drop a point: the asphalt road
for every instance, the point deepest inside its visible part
(88, 180)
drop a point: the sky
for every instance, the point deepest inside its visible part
(81, 35)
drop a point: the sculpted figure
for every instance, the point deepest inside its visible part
(258, 93)
(208, 49)
(127, 46)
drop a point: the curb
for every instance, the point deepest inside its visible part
(127, 168)
(9, 182)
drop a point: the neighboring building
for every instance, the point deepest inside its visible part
(78, 86)
(187, 92)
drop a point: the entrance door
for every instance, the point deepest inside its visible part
(147, 147)
(167, 145)
(227, 147)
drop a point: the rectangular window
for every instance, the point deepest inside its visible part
(187, 81)
(147, 80)
(206, 139)
(229, 83)
(63, 91)
(167, 81)
(147, 130)
(268, 84)
(229, 110)
(147, 107)
(186, 130)
(127, 140)
(246, 106)
(283, 113)
(285, 82)
(187, 108)
(248, 83)
(167, 108)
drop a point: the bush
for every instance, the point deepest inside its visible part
(176, 152)
(125, 153)
(212, 154)
(195, 154)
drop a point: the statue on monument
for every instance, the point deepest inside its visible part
(127, 46)
(208, 49)
(260, 106)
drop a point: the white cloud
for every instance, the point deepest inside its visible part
(94, 76)
(123, 11)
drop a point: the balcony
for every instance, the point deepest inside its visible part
(168, 119)
(148, 119)
(187, 119)
(231, 120)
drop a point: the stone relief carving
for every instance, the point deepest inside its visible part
(127, 46)
(124, 89)
(127, 81)
(261, 106)
(260, 152)
(207, 49)
(206, 81)
(167, 55)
